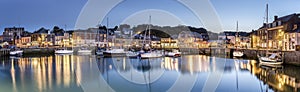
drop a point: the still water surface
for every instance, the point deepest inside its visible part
(75, 73)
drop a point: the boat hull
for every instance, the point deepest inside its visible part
(173, 55)
(238, 54)
(132, 55)
(85, 51)
(266, 61)
(16, 53)
(150, 55)
(64, 52)
(108, 54)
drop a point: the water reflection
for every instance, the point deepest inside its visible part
(279, 78)
(77, 73)
(49, 73)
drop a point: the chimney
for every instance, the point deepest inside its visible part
(275, 18)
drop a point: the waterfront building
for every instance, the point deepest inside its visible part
(91, 36)
(23, 42)
(41, 38)
(237, 39)
(281, 34)
(62, 40)
(85, 37)
(12, 33)
(187, 39)
(169, 43)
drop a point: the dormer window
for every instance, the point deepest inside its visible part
(279, 23)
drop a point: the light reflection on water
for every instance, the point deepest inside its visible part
(61, 73)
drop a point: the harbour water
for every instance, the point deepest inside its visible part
(88, 73)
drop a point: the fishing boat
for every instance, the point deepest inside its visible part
(237, 53)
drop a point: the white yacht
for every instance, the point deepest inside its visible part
(238, 53)
(132, 54)
(272, 59)
(114, 52)
(63, 51)
(16, 52)
(152, 54)
(174, 53)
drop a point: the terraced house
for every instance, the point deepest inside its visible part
(282, 34)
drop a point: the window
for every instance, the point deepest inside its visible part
(279, 23)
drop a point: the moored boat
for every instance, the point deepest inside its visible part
(114, 53)
(152, 54)
(16, 52)
(238, 54)
(84, 50)
(64, 51)
(132, 54)
(174, 53)
(273, 59)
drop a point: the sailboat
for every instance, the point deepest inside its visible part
(84, 49)
(237, 53)
(270, 58)
(150, 53)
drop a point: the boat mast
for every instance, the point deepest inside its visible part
(267, 25)
(149, 29)
(107, 32)
(237, 33)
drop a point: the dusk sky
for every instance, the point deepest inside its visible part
(33, 14)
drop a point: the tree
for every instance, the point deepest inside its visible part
(57, 31)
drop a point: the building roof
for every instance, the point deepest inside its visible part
(9, 28)
(287, 17)
(42, 30)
